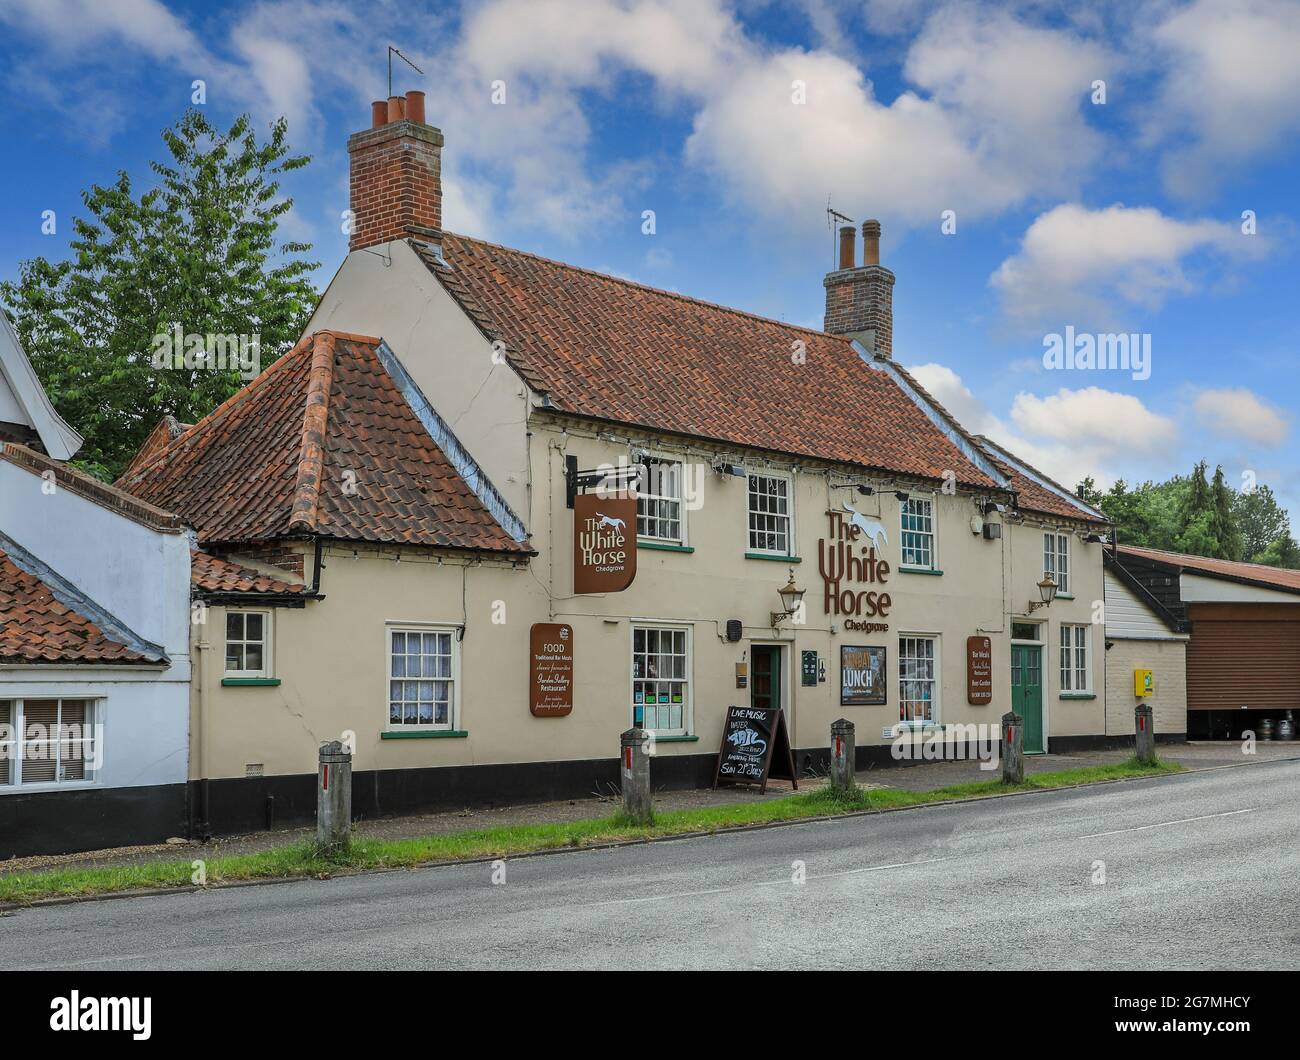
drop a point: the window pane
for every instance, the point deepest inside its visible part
(399, 643)
(253, 627)
(234, 625)
(253, 657)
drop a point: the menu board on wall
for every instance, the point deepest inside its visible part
(979, 671)
(550, 670)
(755, 748)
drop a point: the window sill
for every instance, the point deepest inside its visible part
(773, 557)
(250, 682)
(1064, 596)
(1077, 695)
(919, 570)
(424, 734)
(657, 546)
(677, 739)
(67, 785)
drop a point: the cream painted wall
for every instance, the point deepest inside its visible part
(1168, 658)
(1065, 716)
(482, 400)
(332, 658)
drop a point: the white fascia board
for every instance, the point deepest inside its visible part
(60, 441)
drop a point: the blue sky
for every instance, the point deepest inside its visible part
(1122, 216)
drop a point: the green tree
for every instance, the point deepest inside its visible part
(1261, 520)
(196, 254)
(1282, 551)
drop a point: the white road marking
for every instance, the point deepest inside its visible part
(1166, 824)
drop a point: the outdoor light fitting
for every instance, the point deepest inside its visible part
(791, 598)
(901, 495)
(1047, 590)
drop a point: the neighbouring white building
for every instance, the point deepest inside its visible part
(94, 643)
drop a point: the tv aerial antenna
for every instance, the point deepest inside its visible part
(832, 218)
(392, 50)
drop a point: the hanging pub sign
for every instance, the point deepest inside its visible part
(862, 676)
(550, 670)
(755, 748)
(853, 575)
(979, 671)
(604, 543)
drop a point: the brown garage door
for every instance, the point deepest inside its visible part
(1243, 655)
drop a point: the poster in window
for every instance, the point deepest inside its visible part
(862, 676)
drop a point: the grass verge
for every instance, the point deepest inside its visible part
(302, 860)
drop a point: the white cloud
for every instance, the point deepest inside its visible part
(1077, 265)
(70, 27)
(1236, 412)
(1233, 86)
(947, 388)
(1068, 435)
(1093, 416)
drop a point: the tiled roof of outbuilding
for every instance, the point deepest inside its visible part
(1253, 573)
(607, 348)
(213, 574)
(36, 626)
(323, 442)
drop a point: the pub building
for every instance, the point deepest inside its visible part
(493, 510)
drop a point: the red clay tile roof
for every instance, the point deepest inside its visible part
(36, 627)
(215, 575)
(1256, 573)
(604, 347)
(322, 442)
(167, 431)
(1033, 496)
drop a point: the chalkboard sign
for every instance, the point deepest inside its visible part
(755, 748)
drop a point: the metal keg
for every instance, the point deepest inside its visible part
(1264, 730)
(1286, 727)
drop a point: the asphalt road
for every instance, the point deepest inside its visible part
(1200, 872)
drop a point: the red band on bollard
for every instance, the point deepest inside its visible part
(627, 758)
(325, 778)
(1142, 724)
(839, 747)
(1008, 735)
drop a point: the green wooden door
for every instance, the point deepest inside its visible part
(1027, 693)
(766, 688)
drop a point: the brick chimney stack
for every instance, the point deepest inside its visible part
(860, 299)
(396, 175)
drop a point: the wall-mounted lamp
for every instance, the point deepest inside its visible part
(723, 467)
(1094, 539)
(791, 598)
(900, 495)
(866, 491)
(1047, 590)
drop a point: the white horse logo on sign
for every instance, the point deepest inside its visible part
(874, 530)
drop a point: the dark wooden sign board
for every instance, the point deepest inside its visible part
(979, 671)
(550, 670)
(604, 543)
(755, 748)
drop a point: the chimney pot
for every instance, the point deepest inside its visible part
(415, 106)
(871, 242)
(378, 113)
(860, 300)
(847, 252)
(396, 108)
